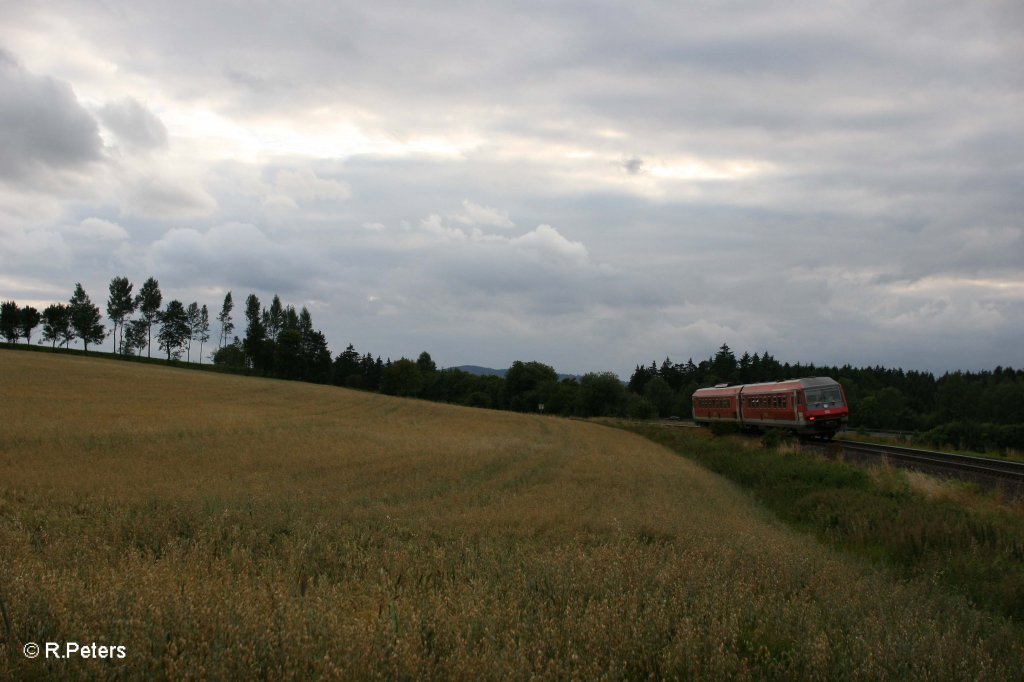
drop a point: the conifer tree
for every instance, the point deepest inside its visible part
(192, 318)
(203, 331)
(226, 325)
(255, 333)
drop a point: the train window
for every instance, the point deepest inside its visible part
(823, 398)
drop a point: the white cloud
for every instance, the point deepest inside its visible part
(475, 214)
(98, 228)
(548, 241)
(303, 183)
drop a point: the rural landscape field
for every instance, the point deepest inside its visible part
(227, 527)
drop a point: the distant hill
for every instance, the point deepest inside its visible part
(482, 371)
(491, 372)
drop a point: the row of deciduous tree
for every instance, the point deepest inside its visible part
(62, 323)
(178, 326)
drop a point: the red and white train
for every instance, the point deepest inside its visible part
(812, 406)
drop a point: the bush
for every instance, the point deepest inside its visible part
(724, 428)
(975, 436)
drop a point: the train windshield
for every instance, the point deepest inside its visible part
(823, 398)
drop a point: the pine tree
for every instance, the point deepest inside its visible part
(203, 330)
(255, 333)
(192, 317)
(346, 365)
(85, 318)
(226, 325)
(275, 319)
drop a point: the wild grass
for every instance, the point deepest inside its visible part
(970, 543)
(921, 441)
(224, 527)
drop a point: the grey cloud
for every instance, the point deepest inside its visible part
(231, 255)
(134, 124)
(633, 165)
(887, 151)
(164, 196)
(42, 124)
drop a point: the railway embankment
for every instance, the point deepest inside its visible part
(964, 538)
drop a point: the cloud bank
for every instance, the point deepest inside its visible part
(590, 186)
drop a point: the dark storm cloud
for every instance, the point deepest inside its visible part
(42, 124)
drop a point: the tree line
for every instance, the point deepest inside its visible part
(179, 326)
(967, 409)
(974, 410)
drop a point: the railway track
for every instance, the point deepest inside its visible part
(1002, 473)
(1005, 474)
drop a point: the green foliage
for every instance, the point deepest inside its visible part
(224, 317)
(30, 318)
(426, 363)
(775, 438)
(136, 338)
(85, 318)
(10, 321)
(528, 385)
(120, 304)
(255, 334)
(230, 355)
(346, 364)
(203, 330)
(975, 436)
(724, 428)
(148, 304)
(57, 324)
(402, 378)
(174, 329)
(601, 394)
(660, 395)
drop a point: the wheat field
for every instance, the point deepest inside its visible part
(222, 527)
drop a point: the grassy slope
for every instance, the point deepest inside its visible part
(225, 526)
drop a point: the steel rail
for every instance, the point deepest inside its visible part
(1005, 469)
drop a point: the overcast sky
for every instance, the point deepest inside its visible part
(587, 184)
